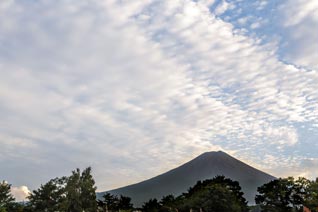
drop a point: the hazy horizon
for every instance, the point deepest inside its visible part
(136, 88)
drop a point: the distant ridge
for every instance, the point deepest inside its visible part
(205, 166)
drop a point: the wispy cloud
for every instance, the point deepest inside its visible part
(285, 25)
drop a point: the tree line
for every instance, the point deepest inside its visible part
(77, 193)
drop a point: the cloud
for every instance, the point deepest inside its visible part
(301, 36)
(309, 167)
(298, 168)
(286, 26)
(302, 10)
(138, 88)
(222, 7)
(20, 193)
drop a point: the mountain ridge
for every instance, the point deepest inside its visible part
(205, 166)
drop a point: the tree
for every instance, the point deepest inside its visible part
(75, 193)
(282, 195)
(168, 203)
(311, 197)
(72, 190)
(80, 192)
(151, 206)
(113, 203)
(216, 198)
(6, 198)
(299, 193)
(88, 191)
(124, 203)
(49, 197)
(217, 194)
(110, 201)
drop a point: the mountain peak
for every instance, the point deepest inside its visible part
(214, 153)
(205, 166)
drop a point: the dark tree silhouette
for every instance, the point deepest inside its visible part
(168, 203)
(49, 197)
(217, 194)
(124, 203)
(112, 203)
(151, 206)
(6, 198)
(282, 195)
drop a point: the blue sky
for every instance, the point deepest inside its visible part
(135, 88)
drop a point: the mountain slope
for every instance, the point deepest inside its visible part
(205, 166)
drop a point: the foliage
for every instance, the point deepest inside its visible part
(75, 193)
(217, 194)
(113, 203)
(88, 191)
(49, 197)
(6, 198)
(151, 206)
(124, 203)
(109, 202)
(216, 198)
(80, 192)
(311, 197)
(168, 203)
(282, 195)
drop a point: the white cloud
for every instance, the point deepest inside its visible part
(301, 11)
(295, 167)
(261, 4)
(300, 21)
(132, 85)
(207, 2)
(20, 193)
(255, 25)
(222, 7)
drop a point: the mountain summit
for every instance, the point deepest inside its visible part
(205, 166)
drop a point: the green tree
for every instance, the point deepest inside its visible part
(49, 197)
(88, 191)
(217, 194)
(299, 192)
(216, 198)
(72, 189)
(6, 198)
(311, 197)
(75, 193)
(80, 192)
(282, 195)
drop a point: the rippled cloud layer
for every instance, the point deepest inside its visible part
(134, 88)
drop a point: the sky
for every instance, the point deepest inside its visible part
(136, 88)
